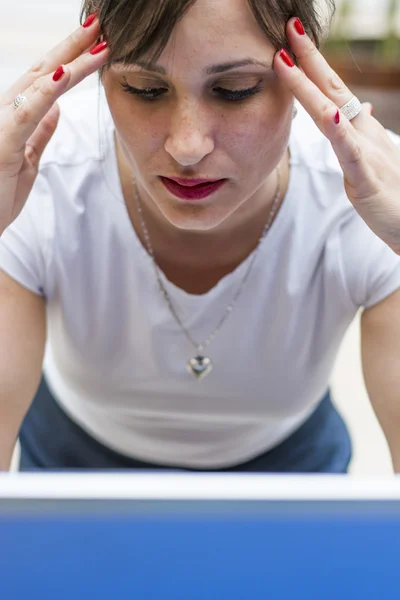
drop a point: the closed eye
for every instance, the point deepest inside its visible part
(145, 93)
(235, 95)
(151, 94)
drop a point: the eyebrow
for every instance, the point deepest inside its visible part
(211, 70)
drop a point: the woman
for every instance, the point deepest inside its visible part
(187, 249)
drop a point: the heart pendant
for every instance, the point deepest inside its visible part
(200, 366)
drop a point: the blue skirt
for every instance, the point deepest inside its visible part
(51, 440)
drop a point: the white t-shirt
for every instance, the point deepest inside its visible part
(116, 359)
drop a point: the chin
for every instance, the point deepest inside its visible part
(194, 218)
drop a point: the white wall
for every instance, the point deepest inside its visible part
(368, 18)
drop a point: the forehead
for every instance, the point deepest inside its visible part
(214, 31)
(210, 19)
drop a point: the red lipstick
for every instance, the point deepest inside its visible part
(192, 189)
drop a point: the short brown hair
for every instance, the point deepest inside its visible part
(135, 28)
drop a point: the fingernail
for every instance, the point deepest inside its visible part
(89, 20)
(99, 48)
(286, 58)
(337, 118)
(58, 73)
(299, 27)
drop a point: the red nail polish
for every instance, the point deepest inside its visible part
(286, 58)
(337, 117)
(299, 27)
(58, 73)
(99, 48)
(89, 20)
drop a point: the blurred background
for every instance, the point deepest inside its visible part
(364, 48)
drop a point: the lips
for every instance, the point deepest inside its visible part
(192, 182)
(192, 189)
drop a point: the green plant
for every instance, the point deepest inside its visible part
(391, 44)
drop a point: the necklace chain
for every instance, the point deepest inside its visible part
(228, 310)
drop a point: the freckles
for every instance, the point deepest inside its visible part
(242, 139)
(251, 136)
(154, 137)
(154, 130)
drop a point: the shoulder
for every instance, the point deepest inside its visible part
(310, 148)
(320, 200)
(81, 133)
(319, 176)
(317, 165)
(78, 160)
(76, 169)
(326, 223)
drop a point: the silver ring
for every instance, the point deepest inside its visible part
(19, 100)
(352, 108)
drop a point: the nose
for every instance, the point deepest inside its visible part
(189, 140)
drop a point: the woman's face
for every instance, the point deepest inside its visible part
(199, 114)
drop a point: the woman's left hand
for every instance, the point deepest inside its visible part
(368, 157)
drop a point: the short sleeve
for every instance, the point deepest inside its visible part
(25, 246)
(370, 269)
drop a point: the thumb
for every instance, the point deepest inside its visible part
(43, 134)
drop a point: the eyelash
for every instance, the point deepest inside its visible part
(151, 94)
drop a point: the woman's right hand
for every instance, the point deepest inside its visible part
(26, 131)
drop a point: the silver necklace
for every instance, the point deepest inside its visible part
(200, 366)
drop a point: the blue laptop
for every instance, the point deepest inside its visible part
(175, 536)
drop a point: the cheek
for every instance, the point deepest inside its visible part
(258, 131)
(141, 135)
(140, 132)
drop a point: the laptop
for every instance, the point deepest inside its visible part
(183, 536)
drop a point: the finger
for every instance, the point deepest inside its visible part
(65, 52)
(346, 143)
(306, 91)
(316, 103)
(315, 65)
(21, 123)
(343, 135)
(370, 108)
(38, 141)
(87, 64)
(318, 70)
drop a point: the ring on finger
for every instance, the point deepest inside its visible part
(20, 99)
(352, 108)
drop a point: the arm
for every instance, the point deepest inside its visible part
(22, 343)
(380, 346)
